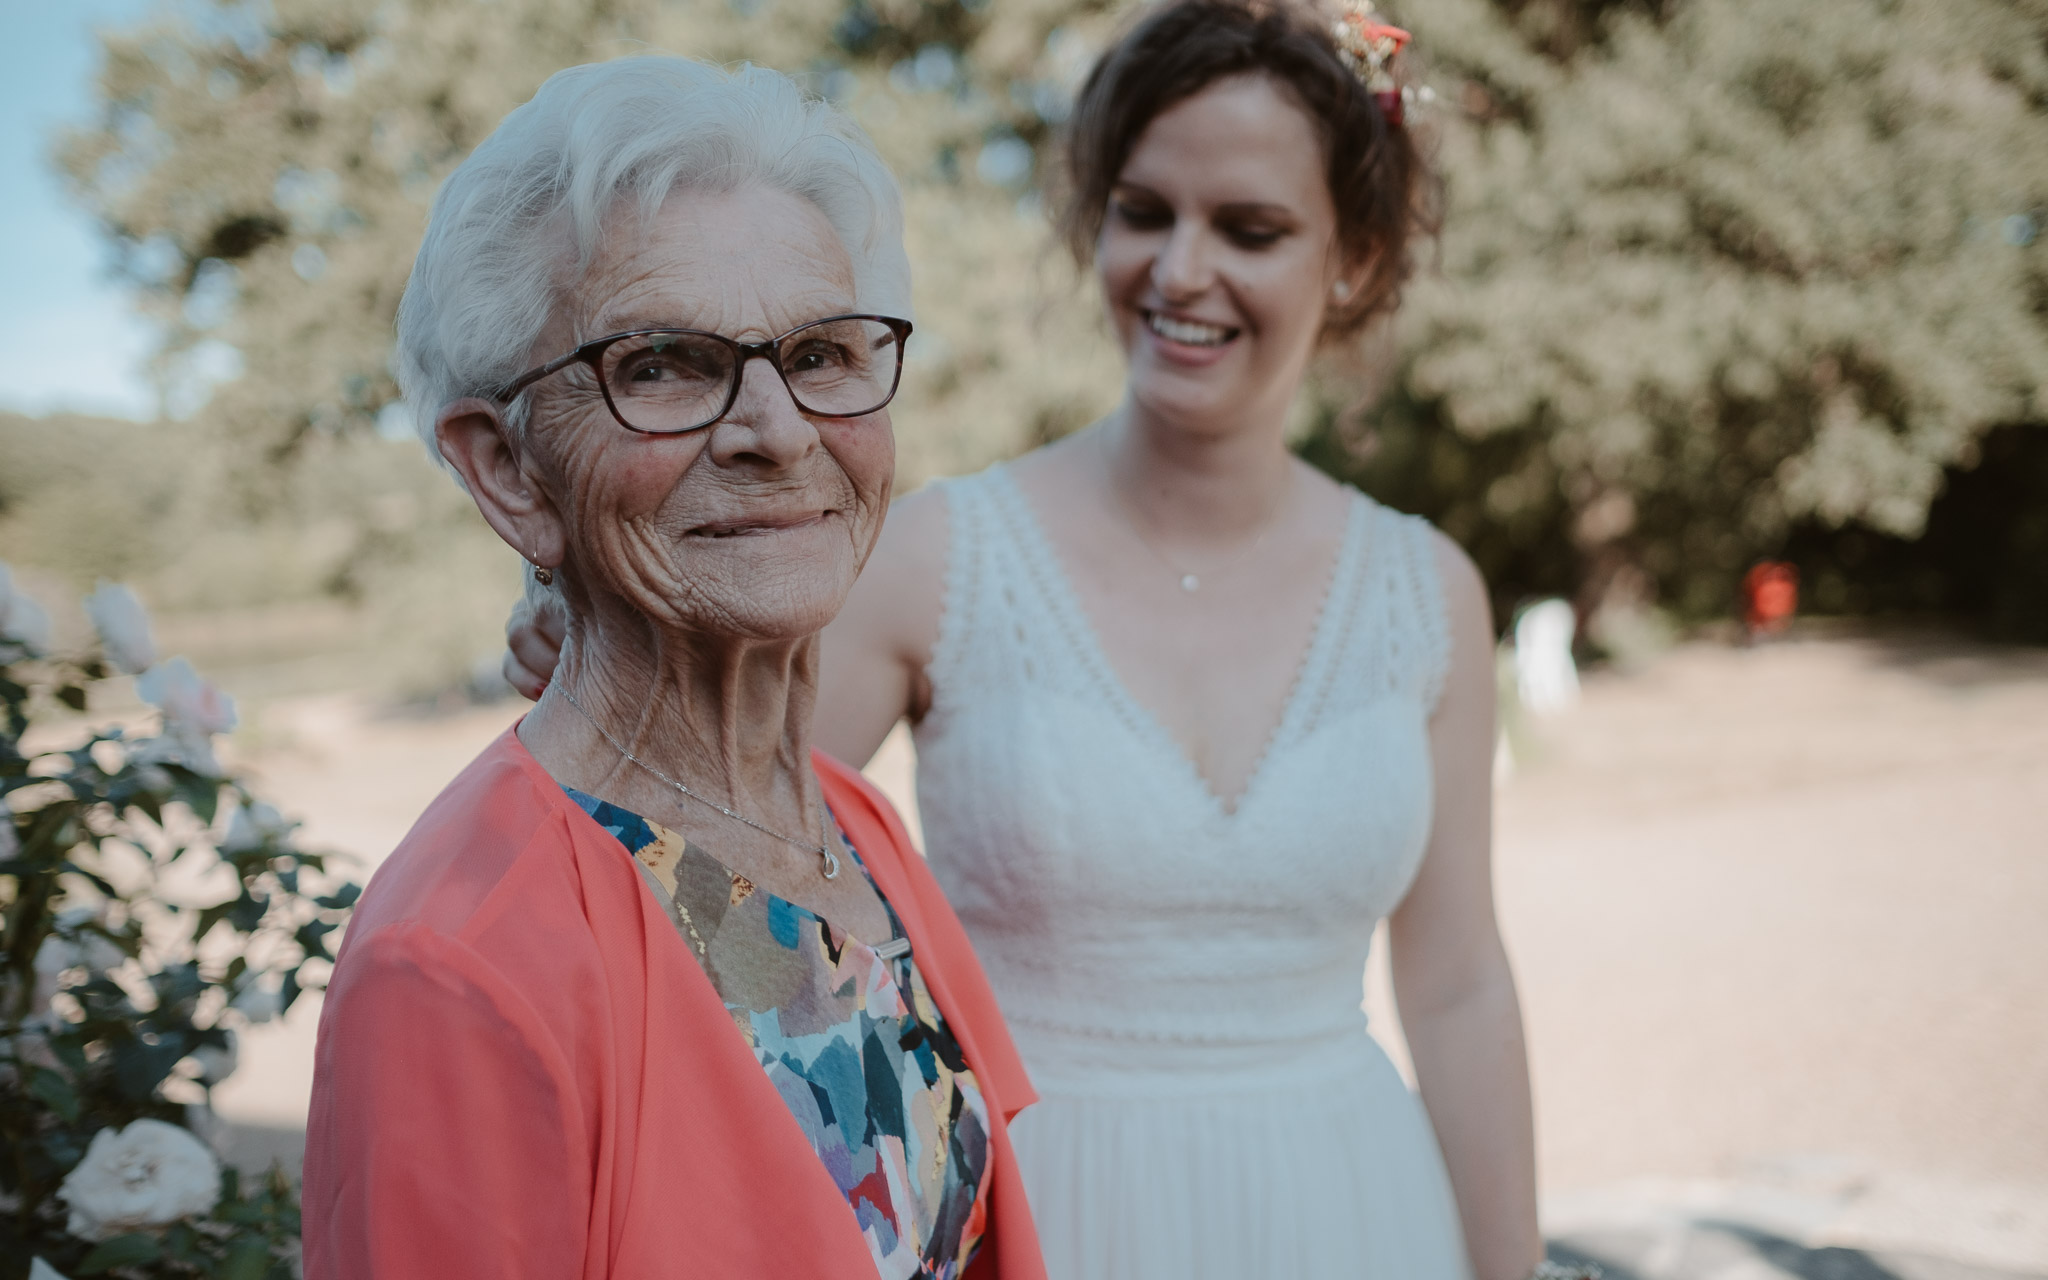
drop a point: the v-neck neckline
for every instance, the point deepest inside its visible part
(895, 946)
(1043, 561)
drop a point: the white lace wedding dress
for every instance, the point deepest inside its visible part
(1182, 979)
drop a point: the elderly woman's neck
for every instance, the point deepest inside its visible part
(729, 715)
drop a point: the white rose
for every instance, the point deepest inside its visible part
(149, 1174)
(123, 626)
(22, 620)
(254, 826)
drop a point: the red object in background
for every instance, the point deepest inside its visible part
(1770, 596)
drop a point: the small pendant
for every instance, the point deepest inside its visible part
(1189, 583)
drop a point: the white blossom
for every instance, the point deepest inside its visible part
(123, 626)
(174, 688)
(194, 710)
(22, 620)
(149, 1174)
(255, 826)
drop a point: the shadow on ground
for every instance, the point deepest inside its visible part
(1713, 1250)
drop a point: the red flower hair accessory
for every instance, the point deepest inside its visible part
(1368, 46)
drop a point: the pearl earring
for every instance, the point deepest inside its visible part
(1340, 291)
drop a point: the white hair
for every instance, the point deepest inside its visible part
(546, 180)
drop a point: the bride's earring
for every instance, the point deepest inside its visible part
(544, 575)
(1340, 291)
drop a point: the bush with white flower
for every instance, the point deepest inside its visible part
(149, 906)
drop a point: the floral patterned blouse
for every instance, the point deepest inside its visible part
(850, 1038)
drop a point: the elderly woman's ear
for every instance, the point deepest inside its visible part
(476, 441)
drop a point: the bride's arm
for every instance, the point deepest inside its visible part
(1451, 977)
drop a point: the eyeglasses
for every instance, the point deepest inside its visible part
(666, 381)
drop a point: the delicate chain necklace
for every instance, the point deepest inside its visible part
(822, 849)
(1190, 582)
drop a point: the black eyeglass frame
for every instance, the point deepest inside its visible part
(592, 353)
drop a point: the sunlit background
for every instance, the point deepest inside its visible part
(1724, 283)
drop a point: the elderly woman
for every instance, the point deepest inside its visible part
(652, 989)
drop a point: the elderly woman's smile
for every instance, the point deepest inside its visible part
(662, 515)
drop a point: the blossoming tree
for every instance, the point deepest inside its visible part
(149, 906)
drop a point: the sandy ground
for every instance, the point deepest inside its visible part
(1777, 915)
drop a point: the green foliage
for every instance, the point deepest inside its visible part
(1745, 268)
(148, 906)
(1714, 272)
(266, 173)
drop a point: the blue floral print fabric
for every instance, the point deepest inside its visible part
(849, 1036)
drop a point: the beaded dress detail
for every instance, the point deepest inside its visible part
(1182, 976)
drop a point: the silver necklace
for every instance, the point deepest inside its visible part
(822, 849)
(1189, 581)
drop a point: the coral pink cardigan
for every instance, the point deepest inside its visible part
(522, 1072)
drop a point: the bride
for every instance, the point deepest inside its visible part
(1192, 718)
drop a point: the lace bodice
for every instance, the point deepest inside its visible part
(1127, 918)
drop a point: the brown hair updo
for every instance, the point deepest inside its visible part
(1380, 183)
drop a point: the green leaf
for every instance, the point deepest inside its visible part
(247, 912)
(249, 1259)
(178, 1242)
(122, 1251)
(203, 797)
(341, 899)
(311, 937)
(140, 1067)
(55, 1092)
(212, 916)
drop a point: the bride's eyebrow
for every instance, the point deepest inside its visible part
(1255, 209)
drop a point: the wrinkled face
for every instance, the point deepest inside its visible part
(1218, 252)
(756, 526)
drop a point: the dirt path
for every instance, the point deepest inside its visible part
(1778, 921)
(1776, 913)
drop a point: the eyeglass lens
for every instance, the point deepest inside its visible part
(679, 381)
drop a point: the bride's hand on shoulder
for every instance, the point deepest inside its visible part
(533, 645)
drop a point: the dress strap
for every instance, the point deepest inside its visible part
(1391, 634)
(993, 625)
(1430, 610)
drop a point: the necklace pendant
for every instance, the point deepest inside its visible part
(1189, 583)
